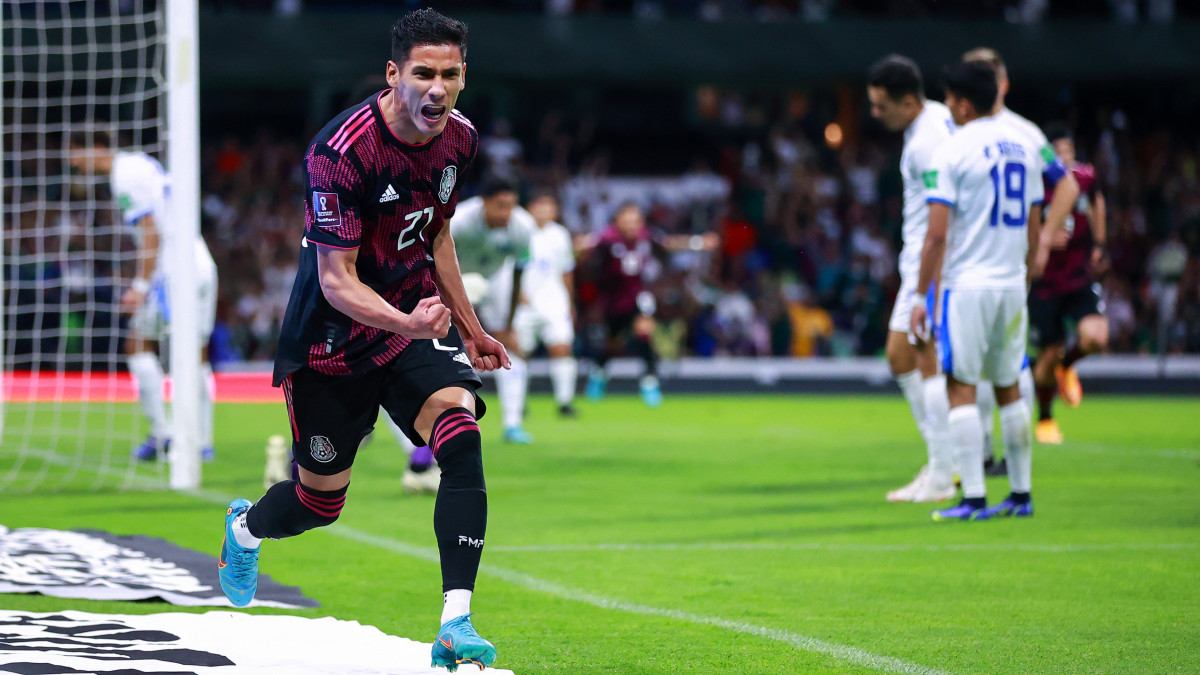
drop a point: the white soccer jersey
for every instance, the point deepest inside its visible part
(1053, 169)
(990, 175)
(551, 255)
(487, 251)
(926, 133)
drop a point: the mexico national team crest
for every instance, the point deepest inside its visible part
(449, 175)
(322, 449)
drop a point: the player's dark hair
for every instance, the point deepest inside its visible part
(541, 193)
(989, 56)
(426, 27)
(974, 81)
(625, 206)
(897, 75)
(1058, 130)
(89, 139)
(494, 184)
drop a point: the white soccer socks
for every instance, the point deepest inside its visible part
(937, 432)
(457, 603)
(148, 374)
(912, 385)
(208, 394)
(510, 386)
(242, 535)
(966, 433)
(1028, 389)
(563, 373)
(1016, 426)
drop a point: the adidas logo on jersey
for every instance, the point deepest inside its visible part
(462, 358)
(389, 195)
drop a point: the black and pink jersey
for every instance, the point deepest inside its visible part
(369, 190)
(1069, 269)
(622, 263)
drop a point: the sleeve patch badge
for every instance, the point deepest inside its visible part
(930, 178)
(1048, 154)
(328, 212)
(446, 187)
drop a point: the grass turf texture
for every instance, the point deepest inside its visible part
(646, 541)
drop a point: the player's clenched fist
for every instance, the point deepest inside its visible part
(429, 319)
(487, 353)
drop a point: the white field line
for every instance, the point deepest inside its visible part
(840, 652)
(882, 548)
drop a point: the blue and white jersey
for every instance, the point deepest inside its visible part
(141, 187)
(926, 133)
(551, 255)
(990, 176)
(1054, 169)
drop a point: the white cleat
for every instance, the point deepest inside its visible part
(906, 493)
(426, 481)
(929, 492)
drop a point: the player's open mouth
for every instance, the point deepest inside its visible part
(433, 113)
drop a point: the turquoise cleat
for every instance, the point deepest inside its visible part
(458, 643)
(517, 435)
(238, 567)
(651, 393)
(597, 383)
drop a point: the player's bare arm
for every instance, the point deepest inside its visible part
(147, 264)
(1061, 205)
(932, 255)
(1098, 217)
(486, 353)
(338, 272)
(1035, 258)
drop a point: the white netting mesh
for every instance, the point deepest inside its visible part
(70, 415)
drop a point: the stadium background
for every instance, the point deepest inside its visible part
(767, 96)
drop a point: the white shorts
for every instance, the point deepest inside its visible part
(152, 321)
(981, 334)
(543, 324)
(901, 320)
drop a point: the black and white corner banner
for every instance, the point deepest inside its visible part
(100, 566)
(214, 643)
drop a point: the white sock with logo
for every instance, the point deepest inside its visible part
(510, 385)
(457, 603)
(563, 372)
(148, 373)
(241, 533)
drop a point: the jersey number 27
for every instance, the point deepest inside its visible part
(418, 221)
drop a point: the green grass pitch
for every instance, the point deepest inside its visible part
(740, 534)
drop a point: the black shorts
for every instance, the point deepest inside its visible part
(331, 414)
(1048, 316)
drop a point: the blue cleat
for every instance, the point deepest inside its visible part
(517, 435)
(148, 450)
(651, 393)
(238, 567)
(1011, 508)
(458, 643)
(207, 453)
(596, 385)
(963, 511)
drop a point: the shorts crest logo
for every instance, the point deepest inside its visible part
(322, 450)
(449, 175)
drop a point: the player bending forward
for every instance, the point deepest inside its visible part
(141, 187)
(366, 325)
(548, 313)
(897, 95)
(983, 225)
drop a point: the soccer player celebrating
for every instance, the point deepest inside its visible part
(983, 227)
(492, 234)
(142, 188)
(1067, 290)
(369, 323)
(548, 315)
(897, 96)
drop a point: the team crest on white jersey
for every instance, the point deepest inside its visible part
(449, 176)
(322, 450)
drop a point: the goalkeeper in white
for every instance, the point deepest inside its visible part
(141, 188)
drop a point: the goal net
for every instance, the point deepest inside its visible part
(70, 413)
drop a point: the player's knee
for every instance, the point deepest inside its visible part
(456, 444)
(318, 508)
(1093, 336)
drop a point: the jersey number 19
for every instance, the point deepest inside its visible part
(1014, 191)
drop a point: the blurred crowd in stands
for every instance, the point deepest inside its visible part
(807, 211)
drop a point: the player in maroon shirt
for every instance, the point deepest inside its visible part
(1067, 291)
(369, 322)
(619, 258)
